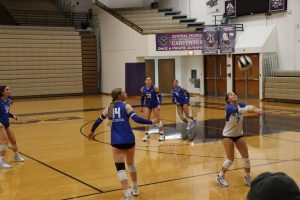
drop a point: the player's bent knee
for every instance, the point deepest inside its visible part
(246, 162)
(227, 163)
(132, 168)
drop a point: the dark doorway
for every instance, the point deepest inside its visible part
(134, 77)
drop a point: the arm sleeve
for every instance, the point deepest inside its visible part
(10, 115)
(245, 109)
(138, 119)
(98, 122)
(187, 94)
(159, 98)
(142, 99)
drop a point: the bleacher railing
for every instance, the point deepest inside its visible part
(118, 16)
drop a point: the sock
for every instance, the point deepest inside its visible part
(134, 184)
(161, 132)
(127, 192)
(146, 132)
(1, 158)
(221, 174)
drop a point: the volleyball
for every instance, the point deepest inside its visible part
(244, 63)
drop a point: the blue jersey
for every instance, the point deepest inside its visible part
(234, 120)
(4, 112)
(152, 100)
(121, 132)
(180, 96)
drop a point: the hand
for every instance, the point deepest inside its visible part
(158, 108)
(16, 117)
(91, 135)
(257, 111)
(1, 125)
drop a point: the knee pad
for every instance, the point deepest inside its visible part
(227, 163)
(246, 162)
(159, 125)
(122, 175)
(120, 166)
(131, 168)
(3, 147)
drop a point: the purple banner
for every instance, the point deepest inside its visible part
(276, 5)
(227, 36)
(210, 40)
(179, 41)
(230, 8)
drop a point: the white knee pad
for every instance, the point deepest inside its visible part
(131, 168)
(159, 125)
(246, 162)
(3, 147)
(227, 163)
(122, 175)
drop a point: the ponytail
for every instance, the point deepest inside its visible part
(114, 94)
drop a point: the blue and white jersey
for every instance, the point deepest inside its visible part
(4, 111)
(234, 120)
(179, 95)
(151, 97)
(121, 132)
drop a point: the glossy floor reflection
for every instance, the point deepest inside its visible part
(62, 164)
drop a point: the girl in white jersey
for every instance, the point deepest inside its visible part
(233, 135)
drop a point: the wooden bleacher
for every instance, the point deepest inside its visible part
(284, 86)
(37, 61)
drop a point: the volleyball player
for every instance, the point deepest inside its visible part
(6, 134)
(122, 138)
(233, 135)
(181, 97)
(150, 101)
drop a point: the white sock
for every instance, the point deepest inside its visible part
(1, 158)
(134, 184)
(161, 132)
(127, 192)
(146, 132)
(221, 174)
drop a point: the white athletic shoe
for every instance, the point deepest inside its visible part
(128, 196)
(4, 165)
(161, 137)
(146, 138)
(221, 181)
(247, 180)
(135, 190)
(18, 158)
(188, 127)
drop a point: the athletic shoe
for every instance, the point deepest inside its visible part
(18, 158)
(135, 190)
(146, 138)
(188, 127)
(128, 195)
(221, 181)
(4, 165)
(247, 180)
(161, 137)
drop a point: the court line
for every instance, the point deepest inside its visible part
(187, 177)
(162, 152)
(61, 172)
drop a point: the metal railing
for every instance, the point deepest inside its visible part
(218, 22)
(119, 17)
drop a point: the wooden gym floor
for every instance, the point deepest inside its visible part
(62, 164)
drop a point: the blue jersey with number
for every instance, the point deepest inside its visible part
(179, 95)
(151, 98)
(4, 111)
(234, 120)
(121, 132)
